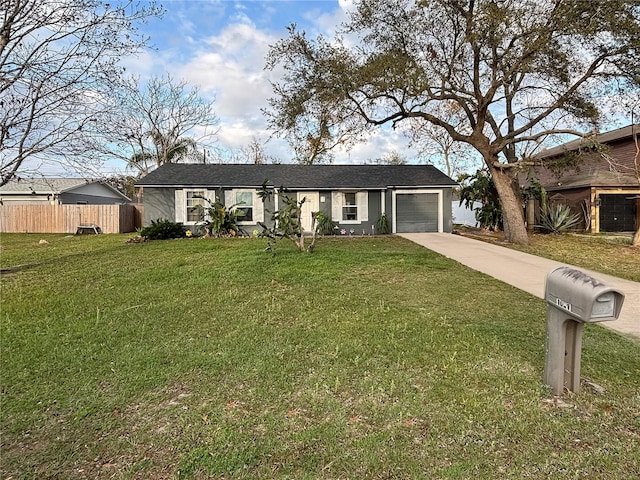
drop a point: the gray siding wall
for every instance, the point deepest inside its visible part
(73, 198)
(375, 211)
(158, 203)
(447, 221)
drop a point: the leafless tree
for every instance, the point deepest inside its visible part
(163, 121)
(391, 158)
(255, 153)
(59, 62)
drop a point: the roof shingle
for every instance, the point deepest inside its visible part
(322, 177)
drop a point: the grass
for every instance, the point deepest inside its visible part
(371, 358)
(608, 254)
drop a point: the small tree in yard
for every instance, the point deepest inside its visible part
(286, 221)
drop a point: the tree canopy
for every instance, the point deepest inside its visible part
(520, 71)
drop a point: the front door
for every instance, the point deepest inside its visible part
(311, 204)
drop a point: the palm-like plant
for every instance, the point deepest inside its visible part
(166, 148)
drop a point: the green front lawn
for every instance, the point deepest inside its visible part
(371, 358)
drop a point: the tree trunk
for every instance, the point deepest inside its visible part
(636, 238)
(511, 203)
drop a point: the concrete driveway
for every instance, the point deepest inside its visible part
(526, 272)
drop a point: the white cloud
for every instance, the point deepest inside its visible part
(229, 67)
(345, 4)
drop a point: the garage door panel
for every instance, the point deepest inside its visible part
(617, 213)
(416, 212)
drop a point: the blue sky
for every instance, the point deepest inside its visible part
(220, 46)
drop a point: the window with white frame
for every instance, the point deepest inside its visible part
(247, 201)
(244, 202)
(349, 207)
(195, 205)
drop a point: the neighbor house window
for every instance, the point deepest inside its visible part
(349, 207)
(244, 202)
(195, 205)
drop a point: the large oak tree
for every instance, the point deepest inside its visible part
(520, 70)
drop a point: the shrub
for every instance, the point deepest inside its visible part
(382, 225)
(324, 224)
(557, 219)
(162, 229)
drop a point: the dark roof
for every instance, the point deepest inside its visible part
(602, 138)
(596, 178)
(317, 177)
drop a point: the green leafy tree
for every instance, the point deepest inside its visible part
(124, 184)
(516, 69)
(479, 187)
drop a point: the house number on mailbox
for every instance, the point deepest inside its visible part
(564, 305)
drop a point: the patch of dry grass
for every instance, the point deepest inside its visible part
(609, 254)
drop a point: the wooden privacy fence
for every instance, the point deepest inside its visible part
(67, 218)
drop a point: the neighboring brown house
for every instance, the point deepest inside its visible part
(602, 184)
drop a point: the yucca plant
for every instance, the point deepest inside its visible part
(557, 219)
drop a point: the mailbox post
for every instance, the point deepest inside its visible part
(573, 299)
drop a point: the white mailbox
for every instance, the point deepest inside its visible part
(573, 299)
